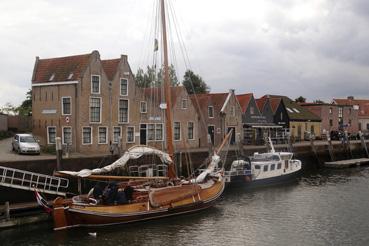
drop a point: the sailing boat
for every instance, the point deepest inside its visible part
(145, 198)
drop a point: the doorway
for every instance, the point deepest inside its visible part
(233, 136)
(143, 134)
(211, 130)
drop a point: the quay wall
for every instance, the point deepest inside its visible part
(303, 152)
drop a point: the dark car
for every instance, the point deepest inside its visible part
(336, 135)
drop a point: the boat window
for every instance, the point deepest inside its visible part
(257, 167)
(266, 168)
(272, 167)
(264, 157)
(279, 166)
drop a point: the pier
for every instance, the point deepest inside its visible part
(346, 163)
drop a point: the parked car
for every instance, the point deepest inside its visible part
(336, 135)
(25, 143)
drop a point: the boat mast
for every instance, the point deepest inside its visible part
(167, 93)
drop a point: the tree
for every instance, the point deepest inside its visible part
(300, 99)
(9, 108)
(153, 78)
(319, 101)
(194, 84)
(25, 108)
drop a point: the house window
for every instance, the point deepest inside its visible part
(211, 112)
(184, 103)
(151, 132)
(66, 105)
(123, 111)
(350, 111)
(360, 126)
(143, 107)
(349, 122)
(95, 109)
(103, 135)
(252, 111)
(86, 135)
(51, 134)
(190, 130)
(281, 115)
(95, 84)
(116, 134)
(330, 122)
(124, 87)
(130, 134)
(67, 135)
(330, 111)
(340, 112)
(312, 129)
(177, 131)
(159, 132)
(367, 126)
(233, 111)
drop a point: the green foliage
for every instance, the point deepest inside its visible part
(194, 84)
(153, 78)
(24, 109)
(319, 101)
(300, 99)
(5, 134)
(49, 149)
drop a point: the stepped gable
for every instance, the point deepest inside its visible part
(60, 69)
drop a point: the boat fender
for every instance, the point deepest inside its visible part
(92, 201)
(170, 183)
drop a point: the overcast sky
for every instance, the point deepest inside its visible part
(316, 48)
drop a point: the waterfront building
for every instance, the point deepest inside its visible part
(362, 106)
(299, 120)
(218, 114)
(335, 117)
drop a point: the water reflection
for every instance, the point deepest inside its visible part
(323, 207)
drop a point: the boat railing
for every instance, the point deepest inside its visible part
(25, 180)
(148, 170)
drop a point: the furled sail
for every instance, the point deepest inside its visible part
(132, 153)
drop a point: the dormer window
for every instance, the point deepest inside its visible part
(95, 84)
(70, 76)
(52, 77)
(211, 112)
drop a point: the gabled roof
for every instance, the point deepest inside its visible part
(217, 100)
(260, 103)
(362, 103)
(60, 69)
(244, 100)
(294, 110)
(110, 67)
(274, 103)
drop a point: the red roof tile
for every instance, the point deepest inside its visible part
(260, 103)
(216, 100)
(274, 103)
(60, 69)
(244, 100)
(110, 67)
(155, 93)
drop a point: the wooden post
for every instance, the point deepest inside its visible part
(180, 164)
(348, 145)
(7, 211)
(313, 148)
(330, 147)
(79, 185)
(363, 144)
(290, 145)
(59, 152)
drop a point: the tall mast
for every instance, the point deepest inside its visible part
(167, 93)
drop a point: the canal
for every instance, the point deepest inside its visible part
(325, 207)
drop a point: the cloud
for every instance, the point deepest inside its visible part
(315, 48)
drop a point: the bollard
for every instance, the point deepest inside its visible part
(59, 152)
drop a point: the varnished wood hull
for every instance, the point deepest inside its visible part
(75, 215)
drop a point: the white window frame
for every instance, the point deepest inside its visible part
(120, 134)
(233, 111)
(62, 105)
(193, 130)
(143, 112)
(186, 100)
(92, 92)
(212, 109)
(120, 122)
(162, 132)
(134, 137)
(89, 109)
(180, 134)
(147, 132)
(71, 134)
(106, 135)
(48, 138)
(120, 86)
(90, 137)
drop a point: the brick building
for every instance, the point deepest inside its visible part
(335, 117)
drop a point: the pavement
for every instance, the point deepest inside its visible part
(6, 153)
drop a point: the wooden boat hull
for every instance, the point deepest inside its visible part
(78, 215)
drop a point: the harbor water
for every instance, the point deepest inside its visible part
(324, 207)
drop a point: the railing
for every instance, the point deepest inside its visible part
(24, 180)
(148, 170)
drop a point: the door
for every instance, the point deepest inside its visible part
(211, 130)
(233, 137)
(143, 134)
